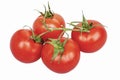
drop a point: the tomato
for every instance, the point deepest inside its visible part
(55, 22)
(65, 61)
(23, 47)
(91, 40)
(47, 20)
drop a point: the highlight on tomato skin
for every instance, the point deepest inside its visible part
(23, 48)
(63, 62)
(93, 40)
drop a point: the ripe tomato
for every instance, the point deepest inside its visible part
(23, 47)
(56, 21)
(64, 61)
(94, 39)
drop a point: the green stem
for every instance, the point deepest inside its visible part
(43, 33)
(36, 38)
(66, 40)
(64, 29)
(48, 13)
(76, 22)
(33, 34)
(61, 35)
(44, 23)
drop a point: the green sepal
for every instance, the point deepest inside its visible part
(58, 47)
(48, 13)
(85, 25)
(37, 39)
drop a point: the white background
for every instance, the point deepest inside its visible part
(101, 65)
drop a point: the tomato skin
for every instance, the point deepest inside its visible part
(91, 41)
(67, 62)
(23, 47)
(56, 21)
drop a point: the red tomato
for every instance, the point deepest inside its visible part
(24, 48)
(93, 40)
(56, 21)
(62, 63)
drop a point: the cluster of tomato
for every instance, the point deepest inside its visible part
(45, 40)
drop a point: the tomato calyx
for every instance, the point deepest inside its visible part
(48, 13)
(36, 38)
(58, 46)
(85, 27)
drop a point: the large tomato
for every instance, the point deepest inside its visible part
(23, 47)
(91, 37)
(65, 60)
